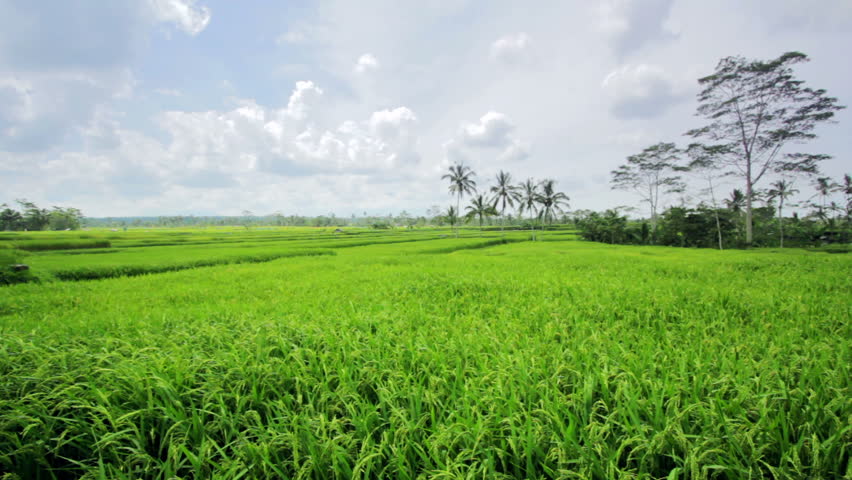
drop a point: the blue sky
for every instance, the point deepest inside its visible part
(156, 107)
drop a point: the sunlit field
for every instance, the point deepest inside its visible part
(311, 353)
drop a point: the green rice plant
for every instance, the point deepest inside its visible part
(520, 360)
(39, 245)
(129, 270)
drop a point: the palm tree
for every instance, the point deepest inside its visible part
(461, 182)
(824, 186)
(550, 200)
(736, 203)
(504, 194)
(528, 201)
(782, 189)
(452, 216)
(479, 207)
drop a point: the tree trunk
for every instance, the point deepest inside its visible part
(715, 211)
(781, 221)
(749, 195)
(458, 206)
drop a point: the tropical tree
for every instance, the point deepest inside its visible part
(702, 164)
(528, 201)
(824, 187)
(736, 204)
(10, 219)
(550, 201)
(504, 194)
(451, 216)
(651, 174)
(754, 110)
(481, 208)
(782, 190)
(34, 218)
(461, 183)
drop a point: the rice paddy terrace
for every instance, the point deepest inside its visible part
(310, 353)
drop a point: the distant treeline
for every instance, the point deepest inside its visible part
(708, 227)
(29, 216)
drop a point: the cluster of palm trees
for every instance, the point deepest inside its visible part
(540, 200)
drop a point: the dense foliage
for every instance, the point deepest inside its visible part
(32, 218)
(702, 227)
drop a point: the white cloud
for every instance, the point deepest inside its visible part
(477, 142)
(514, 48)
(185, 14)
(290, 140)
(641, 91)
(302, 99)
(492, 130)
(366, 62)
(632, 24)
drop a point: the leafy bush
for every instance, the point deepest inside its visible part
(8, 276)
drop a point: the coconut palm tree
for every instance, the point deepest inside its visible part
(452, 216)
(824, 186)
(782, 189)
(479, 207)
(550, 200)
(736, 203)
(504, 194)
(528, 201)
(461, 183)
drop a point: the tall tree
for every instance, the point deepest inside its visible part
(504, 194)
(461, 183)
(702, 164)
(651, 174)
(755, 109)
(34, 218)
(550, 200)
(528, 201)
(481, 208)
(782, 190)
(824, 187)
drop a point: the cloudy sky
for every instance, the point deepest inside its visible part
(160, 107)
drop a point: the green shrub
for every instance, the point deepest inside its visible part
(8, 276)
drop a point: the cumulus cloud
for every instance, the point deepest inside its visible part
(631, 24)
(366, 62)
(513, 48)
(493, 132)
(189, 17)
(303, 98)
(291, 140)
(62, 62)
(641, 91)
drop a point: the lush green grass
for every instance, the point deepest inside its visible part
(63, 244)
(558, 359)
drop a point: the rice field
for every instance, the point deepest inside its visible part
(305, 353)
